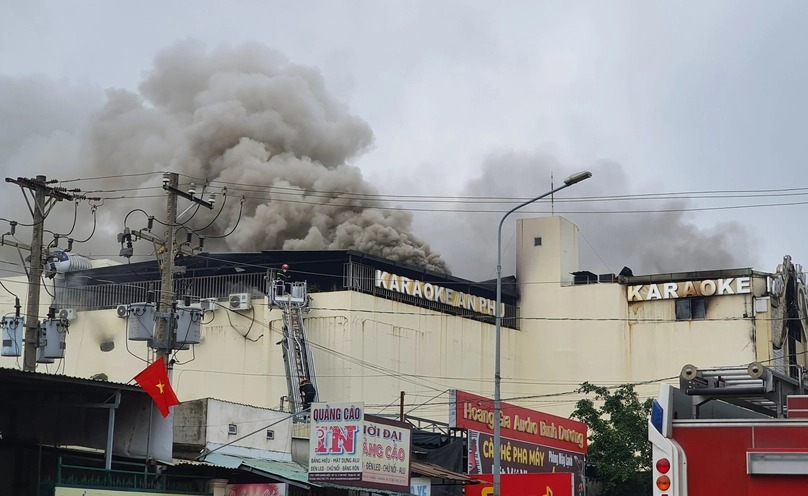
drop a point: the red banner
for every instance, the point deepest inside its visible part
(524, 485)
(476, 413)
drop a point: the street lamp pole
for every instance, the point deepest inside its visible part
(573, 179)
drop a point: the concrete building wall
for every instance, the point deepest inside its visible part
(364, 348)
(248, 419)
(569, 333)
(367, 348)
(590, 332)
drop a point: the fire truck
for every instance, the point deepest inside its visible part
(730, 431)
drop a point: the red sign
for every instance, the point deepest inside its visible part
(525, 485)
(473, 412)
(519, 457)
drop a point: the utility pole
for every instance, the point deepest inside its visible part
(43, 199)
(34, 276)
(163, 333)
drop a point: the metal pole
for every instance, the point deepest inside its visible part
(111, 431)
(575, 178)
(34, 276)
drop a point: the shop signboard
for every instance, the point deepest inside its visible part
(524, 485)
(335, 443)
(519, 457)
(472, 412)
(421, 486)
(386, 454)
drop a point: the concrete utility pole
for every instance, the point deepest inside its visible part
(163, 334)
(43, 199)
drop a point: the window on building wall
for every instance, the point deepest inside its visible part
(690, 309)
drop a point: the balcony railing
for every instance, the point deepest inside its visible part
(81, 477)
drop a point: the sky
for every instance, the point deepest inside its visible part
(688, 114)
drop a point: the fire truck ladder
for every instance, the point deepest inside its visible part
(292, 299)
(755, 387)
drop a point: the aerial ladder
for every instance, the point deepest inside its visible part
(293, 300)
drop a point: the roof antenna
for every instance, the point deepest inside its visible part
(552, 196)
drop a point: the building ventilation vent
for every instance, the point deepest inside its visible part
(232, 429)
(270, 434)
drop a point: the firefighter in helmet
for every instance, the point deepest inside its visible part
(282, 274)
(307, 393)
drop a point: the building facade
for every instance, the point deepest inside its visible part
(378, 328)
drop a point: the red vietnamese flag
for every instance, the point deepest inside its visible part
(154, 380)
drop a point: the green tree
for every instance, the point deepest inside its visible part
(618, 438)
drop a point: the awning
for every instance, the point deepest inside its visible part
(365, 489)
(291, 473)
(438, 472)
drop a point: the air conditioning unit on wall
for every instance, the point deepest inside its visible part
(240, 301)
(209, 304)
(67, 314)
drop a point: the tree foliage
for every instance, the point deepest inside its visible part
(618, 438)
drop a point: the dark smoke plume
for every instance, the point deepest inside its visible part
(247, 116)
(655, 241)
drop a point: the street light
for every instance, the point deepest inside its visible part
(573, 179)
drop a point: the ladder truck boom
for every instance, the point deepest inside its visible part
(730, 430)
(293, 300)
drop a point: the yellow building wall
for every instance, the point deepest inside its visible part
(370, 349)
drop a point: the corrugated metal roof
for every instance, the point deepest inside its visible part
(291, 472)
(224, 460)
(206, 463)
(288, 470)
(8, 375)
(438, 472)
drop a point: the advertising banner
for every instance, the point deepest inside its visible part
(255, 490)
(335, 442)
(472, 412)
(524, 485)
(519, 457)
(386, 453)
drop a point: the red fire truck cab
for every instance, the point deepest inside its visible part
(730, 431)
